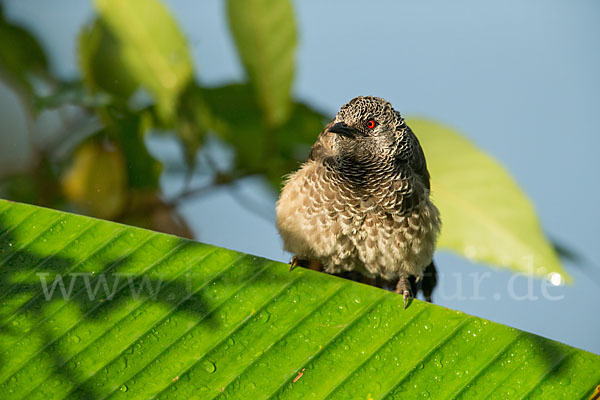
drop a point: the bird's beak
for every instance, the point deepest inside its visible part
(342, 129)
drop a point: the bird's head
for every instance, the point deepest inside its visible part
(367, 127)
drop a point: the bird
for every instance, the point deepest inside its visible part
(361, 202)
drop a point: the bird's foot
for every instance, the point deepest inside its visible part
(298, 262)
(294, 262)
(403, 288)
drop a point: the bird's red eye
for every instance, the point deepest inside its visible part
(371, 124)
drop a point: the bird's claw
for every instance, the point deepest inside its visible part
(294, 262)
(406, 297)
(403, 287)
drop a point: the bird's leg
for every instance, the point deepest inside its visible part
(314, 265)
(403, 288)
(369, 280)
(429, 281)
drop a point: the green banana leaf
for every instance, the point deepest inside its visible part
(91, 309)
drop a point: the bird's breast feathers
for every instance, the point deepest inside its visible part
(383, 232)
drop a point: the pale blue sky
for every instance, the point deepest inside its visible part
(520, 79)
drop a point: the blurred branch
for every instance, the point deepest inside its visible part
(191, 193)
(222, 179)
(231, 184)
(580, 262)
(567, 253)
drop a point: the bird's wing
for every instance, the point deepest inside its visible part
(417, 160)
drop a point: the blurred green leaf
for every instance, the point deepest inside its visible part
(192, 122)
(265, 35)
(21, 56)
(293, 142)
(102, 62)
(105, 69)
(153, 48)
(235, 117)
(486, 217)
(143, 171)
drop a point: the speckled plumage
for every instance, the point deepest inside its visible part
(361, 201)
